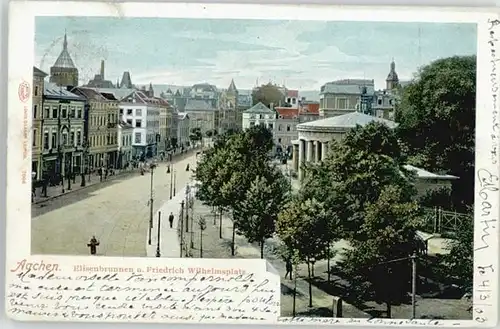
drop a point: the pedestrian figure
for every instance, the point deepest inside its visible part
(93, 245)
(187, 167)
(171, 220)
(289, 268)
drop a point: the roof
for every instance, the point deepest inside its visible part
(197, 105)
(287, 112)
(109, 96)
(205, 87)
(89, 93)
(52, 91)
(245, 100)
(292, 93)
(346, 121)
(311, 108)
(38, 72)
(118, 93)
(349, 86)
(232, 86)
(259, 108)
(64, 60)
(422, 173)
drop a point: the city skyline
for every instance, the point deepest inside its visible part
(300, 54)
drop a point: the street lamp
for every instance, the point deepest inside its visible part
(187, 208)
(174, 180)
(181, 222)
(171, 172)
(158, 242)
(152, 166)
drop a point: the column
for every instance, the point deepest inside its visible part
(309, 148)
(302, 144)
(324, 150)
(317, 151)
(295, 157)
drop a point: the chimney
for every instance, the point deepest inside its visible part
(102, 69)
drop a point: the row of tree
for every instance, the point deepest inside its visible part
(236, 176)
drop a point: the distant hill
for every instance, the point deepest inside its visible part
(311, 95)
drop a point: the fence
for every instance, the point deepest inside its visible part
(437, 220)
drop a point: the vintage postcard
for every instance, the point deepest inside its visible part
(258, 164)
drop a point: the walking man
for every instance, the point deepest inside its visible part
(289, 268)
(171, 220)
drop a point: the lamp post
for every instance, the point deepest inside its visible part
(187, 208)
(152, 166)
(174, 181)
(171, 172)
(181, 219)
(158, 242)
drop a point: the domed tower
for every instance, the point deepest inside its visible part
(64, 73)
(392, 80)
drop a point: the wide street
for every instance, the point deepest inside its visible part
(116, 212)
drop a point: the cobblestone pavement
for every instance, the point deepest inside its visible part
(214, 247)
(115, 211)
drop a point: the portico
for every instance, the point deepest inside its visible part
(315, 136)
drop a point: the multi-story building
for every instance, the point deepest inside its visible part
(286, 129)
(125, 150)
(37, 112)
(202, 115)
(244, 103)
(102, 127)
(292, 98)
(64, 72)
(62, 133)
(259, 114)
(183, 131)
(143, 113)
(344, 96)
(174, 137)
(308, 111)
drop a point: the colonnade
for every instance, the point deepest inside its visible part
(307, 151)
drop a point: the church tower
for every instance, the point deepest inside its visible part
(392, 80)
(232, 94)
(64, 73)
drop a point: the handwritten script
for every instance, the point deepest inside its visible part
(153, 294)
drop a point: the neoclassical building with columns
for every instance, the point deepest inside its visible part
(314, 136)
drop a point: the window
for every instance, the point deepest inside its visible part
(294, 100)
(46, 111)
(379, 101)
(138, 112)
(36, 90)
(72, 112)
(137, 138)
(64, 138)
(46, 140)
(261, 116)
(138, 123)
(34, 137)
(108, 140)
(279, 127)
(121, 111)
(391, 102)
(72, 138)
(279, 140)
(270, 126)
(54, 112)
(34, 111)
(129, 111)
(54, 140)
(342, 103)
(288, 100)
(64, 112)
(288, 127)
(78, 113)
(129, 121)
(78, 137)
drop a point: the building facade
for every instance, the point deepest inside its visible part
(259, 114)
(37, 115)
(344, 96)
(62, 133)
(228, 109)
(202, 115)
(183, 131)
(103, 111)
(286, 129)
(125, 149)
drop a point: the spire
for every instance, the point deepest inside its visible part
(65, 42)
(392, 78)
(232, 86)
(102, 69)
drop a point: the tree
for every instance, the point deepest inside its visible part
(195, 135)
(380, 262)
(436, 119)
(440, 197)
(260, 208)
(268, 94)
(305, 227)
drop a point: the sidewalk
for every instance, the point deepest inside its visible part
(169, 237)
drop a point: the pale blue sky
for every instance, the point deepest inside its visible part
(303, 54)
